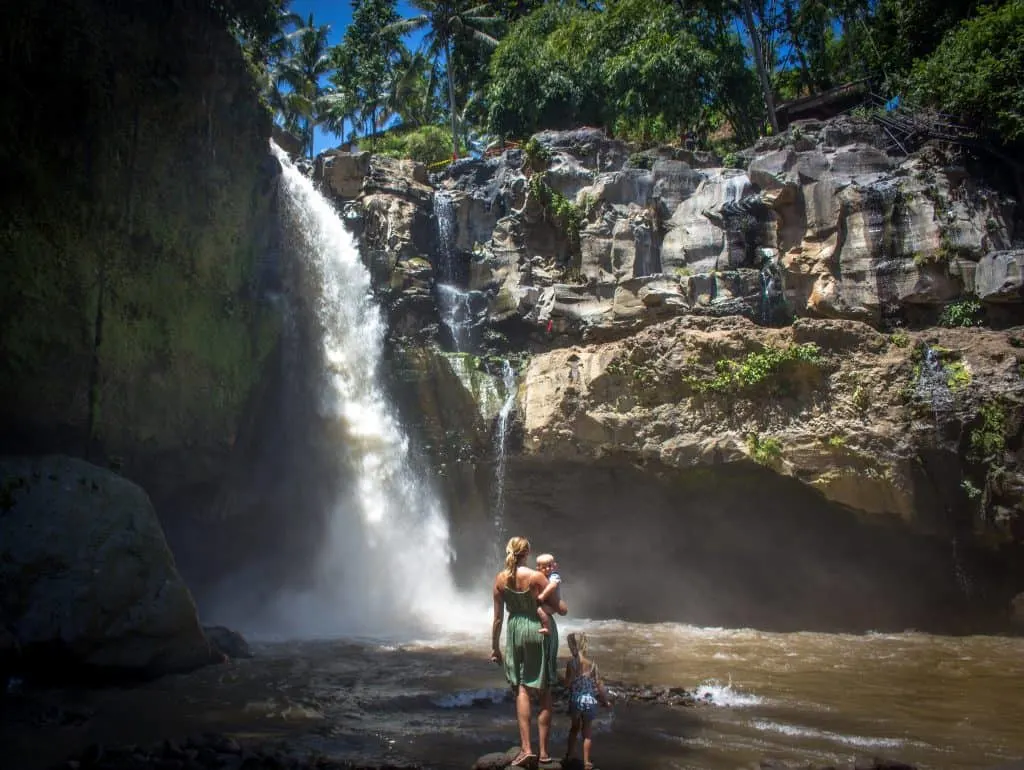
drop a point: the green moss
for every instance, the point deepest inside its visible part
(958, 376)
(899, 338)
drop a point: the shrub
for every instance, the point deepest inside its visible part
(963, 312)
(975, 71)
(756, 368)
(427, 144)
(988, 440)
(764, 451)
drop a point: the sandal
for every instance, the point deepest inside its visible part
(588, 766)
(545, 760)
(523, 759)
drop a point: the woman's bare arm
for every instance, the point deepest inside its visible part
(499, 617)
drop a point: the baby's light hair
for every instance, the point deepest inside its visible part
(545, 558)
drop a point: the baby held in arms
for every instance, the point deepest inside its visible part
(551, 596)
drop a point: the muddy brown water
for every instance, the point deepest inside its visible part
(935, 701)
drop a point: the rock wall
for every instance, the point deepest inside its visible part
(135, 265)
(715, 335)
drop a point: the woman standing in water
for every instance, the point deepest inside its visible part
(531, 664)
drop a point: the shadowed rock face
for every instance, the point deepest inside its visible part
(726, 546)
(89, 583)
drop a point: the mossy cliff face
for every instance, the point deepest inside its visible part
(132, 330)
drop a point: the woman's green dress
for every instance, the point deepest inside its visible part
(531, 658)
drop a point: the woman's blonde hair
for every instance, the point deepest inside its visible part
(515, 552)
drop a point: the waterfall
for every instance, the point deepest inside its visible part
(508, 378)
(772, 300)
(933, 385)
(734, 187)
(453, 302)
(384, 565)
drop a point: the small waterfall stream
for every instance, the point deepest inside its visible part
(508, 378)
(384, 565)
(932, 384)
(454, 303)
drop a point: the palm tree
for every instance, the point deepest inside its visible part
(301, 71)
(444, 20)
(411, 89)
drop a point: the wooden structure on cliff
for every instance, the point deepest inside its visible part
(908, 126)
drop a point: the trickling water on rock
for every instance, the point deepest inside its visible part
(456, 304)
(508, 378)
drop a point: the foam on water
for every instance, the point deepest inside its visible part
(718, 694)
(799, 731)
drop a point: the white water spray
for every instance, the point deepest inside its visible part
(384, 566)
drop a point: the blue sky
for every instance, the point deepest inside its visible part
(338, 14)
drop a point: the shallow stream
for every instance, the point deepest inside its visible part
(938, 702)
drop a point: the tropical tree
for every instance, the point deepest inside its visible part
(411, 91)
(445, 23)
(299, 75)
(365, 58)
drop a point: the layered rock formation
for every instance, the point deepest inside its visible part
(760, 330)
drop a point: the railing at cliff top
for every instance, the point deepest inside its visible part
(490, 152)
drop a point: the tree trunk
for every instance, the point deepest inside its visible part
(762, 72)
(451, 97)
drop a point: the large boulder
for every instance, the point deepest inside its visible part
(88, 580)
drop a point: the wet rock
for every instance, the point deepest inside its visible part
(205, 755)
(496, 760)
(1017, 610)
(224, 641)
(880, 763)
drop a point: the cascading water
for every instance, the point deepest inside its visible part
(933, 384)
(508, 378)
(454, 303)
(772, 300)
(384, 565)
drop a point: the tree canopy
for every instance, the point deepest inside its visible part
(648, 70)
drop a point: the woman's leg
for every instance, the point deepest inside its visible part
(574, 734)
(544, 720)
(586, 741)
(523, 718)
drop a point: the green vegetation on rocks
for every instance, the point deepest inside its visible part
(757, 368)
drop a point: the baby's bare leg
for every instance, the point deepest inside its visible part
(545, 620)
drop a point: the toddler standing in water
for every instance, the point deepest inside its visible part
(547, 601)
(586, 691)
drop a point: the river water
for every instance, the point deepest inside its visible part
(938, 702)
